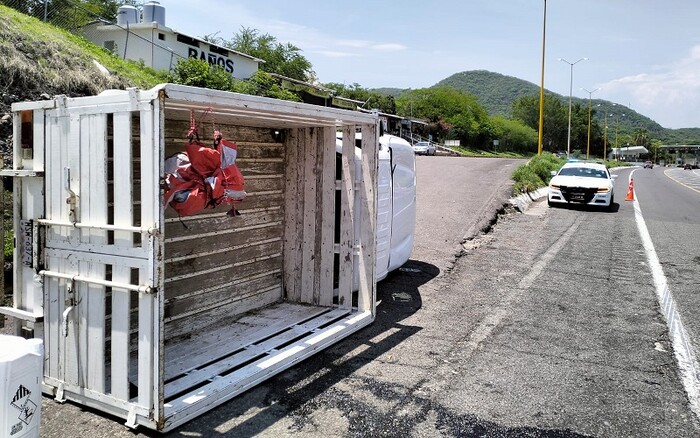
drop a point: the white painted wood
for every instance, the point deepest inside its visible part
(146, 347)
(123, 214)
(274, 109)
(71, 337)
(326, 253)
(148, 328)
(157, 252)
(347, 218)
(39, 128)
(220, 390)
(281, 336)
(94, 174)
(226, 335)
(367, 291)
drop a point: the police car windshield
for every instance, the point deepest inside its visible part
(583, 172)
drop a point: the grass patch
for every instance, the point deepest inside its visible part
(536, 173)
(37, 56)
(470, 152)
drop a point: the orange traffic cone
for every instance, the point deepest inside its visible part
(630, 191)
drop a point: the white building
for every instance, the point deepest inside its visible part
(627, 153)
(160, 47)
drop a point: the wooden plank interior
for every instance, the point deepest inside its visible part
(367, 287)
(294, 203)
(217, 264)
(347, 218)
(327, 220)
(308, 215)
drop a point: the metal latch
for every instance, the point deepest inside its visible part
(72, 199)
(70, 304)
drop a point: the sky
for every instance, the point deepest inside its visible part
(642, 54)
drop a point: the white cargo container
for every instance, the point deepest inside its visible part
(157, 318)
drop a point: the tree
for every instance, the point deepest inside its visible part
(554, 133)
(281, 59)
(68, 14)
(199, 73)
(459, 112)
(371, 100)
(513, 135)
(641, 137)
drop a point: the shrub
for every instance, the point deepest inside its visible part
(198, 73)
(536, 173)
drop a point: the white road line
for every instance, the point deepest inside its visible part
(682, 348)
(687, 180)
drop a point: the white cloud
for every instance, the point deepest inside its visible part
(335, 54)
(357, 44)
(389, 47)
(670, 95)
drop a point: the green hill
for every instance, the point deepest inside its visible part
(497, 92)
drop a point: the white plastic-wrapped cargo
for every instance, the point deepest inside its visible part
(157, 317)
(21, 363)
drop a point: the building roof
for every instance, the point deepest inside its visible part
(106, 25)
(630, 150)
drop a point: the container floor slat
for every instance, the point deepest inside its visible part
(213, 383)
(256, 340)
(227, 336)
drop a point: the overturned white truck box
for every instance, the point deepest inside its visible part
(156, 316)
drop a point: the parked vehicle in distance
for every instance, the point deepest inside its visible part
(582, 183)
(687, 166)
(424, 148)
(648, 165)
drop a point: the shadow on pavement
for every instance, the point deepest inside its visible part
(398, 297)
(614, 208)
(300, 393)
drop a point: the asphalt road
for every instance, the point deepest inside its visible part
(669, 199)
(546, 326)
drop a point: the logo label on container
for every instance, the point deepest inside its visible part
(26, 407)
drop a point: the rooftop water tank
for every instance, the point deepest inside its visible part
(126, 15)
(153, 11)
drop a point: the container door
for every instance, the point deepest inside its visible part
(101, 240)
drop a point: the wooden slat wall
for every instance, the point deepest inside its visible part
(310, 216)
(366, 299)
(294, 207)
(347, 219)
(217, 265)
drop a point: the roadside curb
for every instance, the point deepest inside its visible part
(523, 201)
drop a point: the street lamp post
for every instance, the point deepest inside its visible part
(617, 125)
(541, 121)
(571, 90)
(605, 139)
(588, 145)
